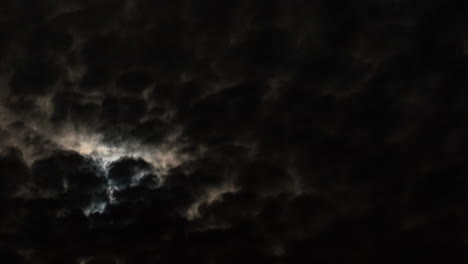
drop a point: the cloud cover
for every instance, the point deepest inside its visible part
(259, 131)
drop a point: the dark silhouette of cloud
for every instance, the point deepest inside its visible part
(255, 131)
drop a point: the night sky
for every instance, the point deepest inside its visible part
(185, 131)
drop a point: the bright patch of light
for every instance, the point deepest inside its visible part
(95, 207)
(111, 192)
(163, 157)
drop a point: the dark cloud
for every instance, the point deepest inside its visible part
(76, 182)
(125, 170)
(70, 106)
(264, 131)
(35, 78)
(133, 82)
(13, 170)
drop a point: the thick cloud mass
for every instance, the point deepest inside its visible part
(233, 131)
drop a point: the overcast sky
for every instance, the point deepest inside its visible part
(184, 131)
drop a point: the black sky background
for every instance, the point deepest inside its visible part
(285, 131)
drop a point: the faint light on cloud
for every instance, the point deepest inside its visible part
(95, 207)
(212, 196)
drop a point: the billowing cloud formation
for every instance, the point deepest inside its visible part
(232, 131)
